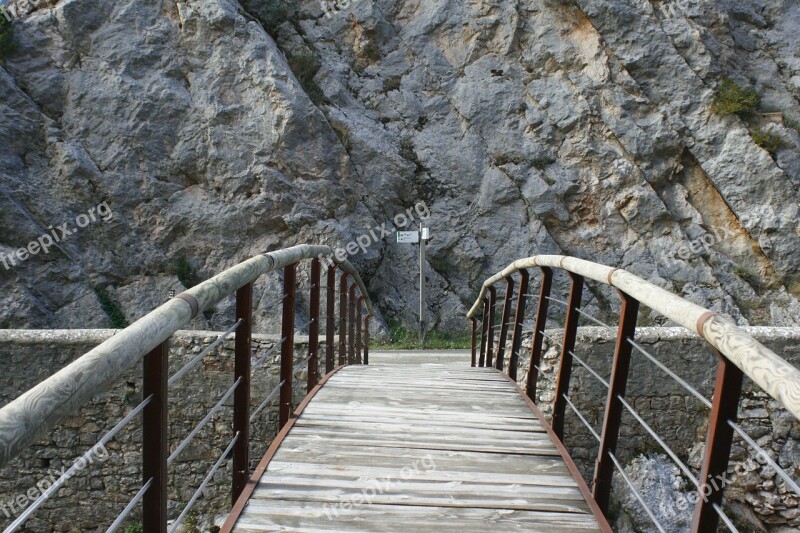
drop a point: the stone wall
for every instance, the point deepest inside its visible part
(758, 497)
(92, 500)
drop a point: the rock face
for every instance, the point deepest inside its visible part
(659, 483)
(526, 126)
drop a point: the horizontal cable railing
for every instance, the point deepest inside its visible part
(738, 355)
(30, 416)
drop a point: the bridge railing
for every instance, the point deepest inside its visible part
(738, 355)
(30, 416)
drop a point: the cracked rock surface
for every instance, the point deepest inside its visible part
(527, 127)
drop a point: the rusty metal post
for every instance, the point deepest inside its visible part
(243, 349)
(567, 348)
(359, 325)
(501, 344)
(366, 339)
(727, 389)
(490, 328)
(330, 319)
(604, 467)
(155, 447)
(484, 330)
(287, 342)
(313, 328)
(343, 319)
(519, 318)
(351, 325)
(538, 332)
(474, 358)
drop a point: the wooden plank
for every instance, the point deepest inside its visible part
(430, 386)
(430, 493)
(423, 420)
(465, 405)
(398, 458)
(435, 412)
(427, 469)
(373, 426)
(533, 448)
(316, 516)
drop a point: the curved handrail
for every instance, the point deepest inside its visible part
(768, 370)
(28, 417)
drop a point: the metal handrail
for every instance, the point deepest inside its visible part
(27, 418)
(768, 370)
(738, 355)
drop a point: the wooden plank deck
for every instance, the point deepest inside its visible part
(418, 448)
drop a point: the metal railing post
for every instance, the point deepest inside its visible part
(343, 319)
(359, 325)
(501, 344)
(490, 328)
(241, 397)
(474, 357)
(287, 342)
(519, 318)
(330, 319)
(727, 389)
(155, 447)
(538, 332)
(351, 325)
(366, 339)
(604, 467)
(568, 346)
(484, 331)
(313, 328)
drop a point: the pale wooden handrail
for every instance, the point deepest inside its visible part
(31, 415)
(768, 370)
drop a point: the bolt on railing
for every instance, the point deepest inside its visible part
(737, 353)
(148, 341)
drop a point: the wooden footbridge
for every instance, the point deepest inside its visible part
(393, 447)
(417, 442)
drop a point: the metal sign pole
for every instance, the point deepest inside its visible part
(421, 284)
(418, 237)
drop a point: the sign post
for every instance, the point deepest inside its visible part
(418, 237)
(422, 235)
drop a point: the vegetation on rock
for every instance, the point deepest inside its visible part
(7, 43)
(305, 68)
(733, 99)
(272, 14)
(186, 274)
(400, 338)
(111, 308)
(770, 142)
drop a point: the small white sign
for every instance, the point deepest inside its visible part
(426, 234)
(407, 237)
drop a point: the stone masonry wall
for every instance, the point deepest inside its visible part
(92, 500)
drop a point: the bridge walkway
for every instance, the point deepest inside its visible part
(409, 447)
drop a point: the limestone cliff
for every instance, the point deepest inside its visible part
(215, 130)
